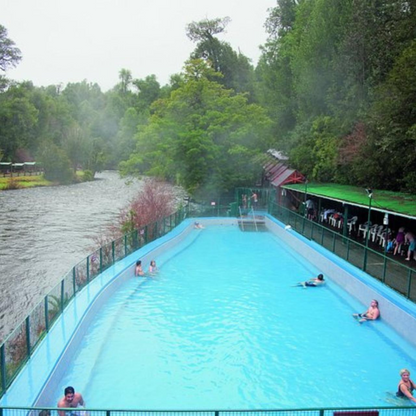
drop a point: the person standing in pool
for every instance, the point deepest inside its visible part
(70, 399)
(152, 267)
(371, 314)
(139, 270)
(315, 282)
(406, 386)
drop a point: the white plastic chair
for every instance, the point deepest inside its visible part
(383, 236)
(364, 228)
(375, 231)
(351, 224)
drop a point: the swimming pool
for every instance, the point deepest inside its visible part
(221, 327)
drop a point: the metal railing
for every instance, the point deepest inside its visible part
(362, 411)
(22, 342)
(394, 274)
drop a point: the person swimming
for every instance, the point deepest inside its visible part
(314, 282)
(139, 270)
(406, 386)
(152, 267)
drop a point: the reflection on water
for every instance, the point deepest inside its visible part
(44, 232)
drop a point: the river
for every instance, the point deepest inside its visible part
(45, 231)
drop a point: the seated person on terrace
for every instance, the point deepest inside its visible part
(314, 282)
(371, 314)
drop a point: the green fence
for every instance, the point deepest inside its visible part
(389, 271)
(362, 411)
(21, 343)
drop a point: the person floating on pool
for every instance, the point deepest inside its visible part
(139, 270)
(406, 386)
(71, 399)
(371, 314)
(315, 282)
(152, 267)
(198, 225)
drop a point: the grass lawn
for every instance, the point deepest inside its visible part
(18, 182)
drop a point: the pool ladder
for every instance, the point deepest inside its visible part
(242, 220)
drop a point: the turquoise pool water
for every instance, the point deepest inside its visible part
(222, 327)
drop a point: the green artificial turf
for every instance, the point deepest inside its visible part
(383, 200)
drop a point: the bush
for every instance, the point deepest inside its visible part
(87, 176)
(56, 165)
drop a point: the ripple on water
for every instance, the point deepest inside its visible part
(45, 231)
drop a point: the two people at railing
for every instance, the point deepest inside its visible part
(371, 314)
(71, 400)
(406, 386)
(314, 282)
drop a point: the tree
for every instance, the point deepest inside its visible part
(202, 137)
(56, 165)
(10, 55)
(238, 73)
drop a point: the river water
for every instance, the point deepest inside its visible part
(45, 231)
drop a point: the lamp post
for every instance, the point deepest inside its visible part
(305, 209)
(367, 236)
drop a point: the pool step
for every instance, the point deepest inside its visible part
(252, 224)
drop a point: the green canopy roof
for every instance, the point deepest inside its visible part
(397, 203)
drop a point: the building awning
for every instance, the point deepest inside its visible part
(395, 203)
(278, 173)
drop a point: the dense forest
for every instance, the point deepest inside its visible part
(334, 90)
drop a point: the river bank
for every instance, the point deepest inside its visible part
(45, 231)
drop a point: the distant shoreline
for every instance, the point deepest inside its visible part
(22, 182)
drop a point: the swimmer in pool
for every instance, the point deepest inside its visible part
(406, 386)
(139, 269)
(315, 282)
(152, 267)
(70, 399)
(371, 314)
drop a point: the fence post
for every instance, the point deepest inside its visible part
(46, 314)
(3, 368)
(74, 280)
(88, 269)
(29, 348)
(409, 283)
(384, 269)
(125, 245)
(62, 294)
(101, 259)
(113, 251)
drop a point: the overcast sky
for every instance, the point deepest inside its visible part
(71, 40)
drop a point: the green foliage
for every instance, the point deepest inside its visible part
(337, 78)
(203, 136)
(56, 165)
(10, 55)
(87, 176)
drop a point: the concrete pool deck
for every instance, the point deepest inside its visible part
(32, 385)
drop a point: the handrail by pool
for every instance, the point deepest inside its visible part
(23, 341)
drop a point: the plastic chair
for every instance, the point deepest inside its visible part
(351, 224)
(364, 228)
(375, 231)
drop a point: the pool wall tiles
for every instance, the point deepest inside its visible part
(396, 310)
